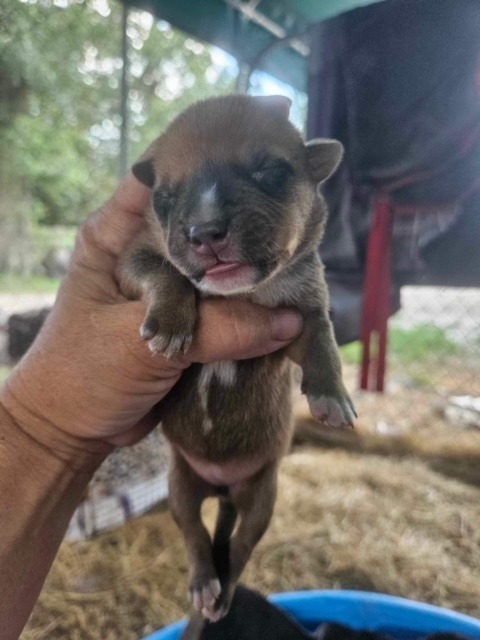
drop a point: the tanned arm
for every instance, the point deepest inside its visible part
(39, 493)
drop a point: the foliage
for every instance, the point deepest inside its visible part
(422, 343)
(419, 344)
(352, 352)
(60, 69)
(4, 372)
(17, 284)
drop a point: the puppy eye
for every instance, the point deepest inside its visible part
(272, 175)
(164, 201)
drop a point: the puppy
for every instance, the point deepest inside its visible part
(235, 211)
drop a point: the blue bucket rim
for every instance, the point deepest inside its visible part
(364, 610)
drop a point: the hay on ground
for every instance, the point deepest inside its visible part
(342, 520)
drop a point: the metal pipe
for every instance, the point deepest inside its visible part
(257, 61)
(250, 12)
(124, 146)
(243, 78)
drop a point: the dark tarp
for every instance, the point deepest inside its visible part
(399, 84)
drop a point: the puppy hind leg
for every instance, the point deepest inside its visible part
(186, 494)
(254, 500)
(226, 520)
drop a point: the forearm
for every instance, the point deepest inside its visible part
(38, 495)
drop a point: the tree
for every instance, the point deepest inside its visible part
(60, 72)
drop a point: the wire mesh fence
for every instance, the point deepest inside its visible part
(435, 339)
(433, 372)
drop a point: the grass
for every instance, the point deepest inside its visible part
(418, 344)
(352, 353)
(4, 371)
(10, 283)
(421, 343)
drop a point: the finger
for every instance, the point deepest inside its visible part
(136, 433)
(237, 330)
(109, 231)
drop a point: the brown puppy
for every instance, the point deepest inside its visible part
(235, 212)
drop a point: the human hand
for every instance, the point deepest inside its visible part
(89, 382)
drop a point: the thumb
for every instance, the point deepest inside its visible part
(238, 330)
(106, 233)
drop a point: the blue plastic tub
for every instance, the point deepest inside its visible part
(400, 618)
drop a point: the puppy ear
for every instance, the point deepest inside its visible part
(323, 157)
(278, 104)
(144, 172)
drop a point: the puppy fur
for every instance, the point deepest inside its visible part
(235, 211)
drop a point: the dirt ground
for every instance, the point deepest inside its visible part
(393, 507)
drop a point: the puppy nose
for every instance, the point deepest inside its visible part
(208, 238)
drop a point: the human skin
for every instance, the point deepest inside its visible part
(90, 384)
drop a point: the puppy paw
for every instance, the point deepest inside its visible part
(217, 611)
(170, 345)
(165, 342)
(212, 614)
(335, 410)
(203, 594)
(222, 604)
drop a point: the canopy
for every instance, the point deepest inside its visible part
(254, 30)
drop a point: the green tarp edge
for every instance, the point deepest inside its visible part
(216, 22)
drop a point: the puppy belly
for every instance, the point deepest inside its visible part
(225, 473)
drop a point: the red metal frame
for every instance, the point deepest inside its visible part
(377, 299)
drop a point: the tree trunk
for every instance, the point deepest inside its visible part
(15, 200)
(15, 216)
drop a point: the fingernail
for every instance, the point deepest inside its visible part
(286, 325)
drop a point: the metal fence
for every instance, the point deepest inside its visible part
(435, 339)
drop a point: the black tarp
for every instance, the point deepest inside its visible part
(399, 84)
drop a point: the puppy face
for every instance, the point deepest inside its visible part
(234, 191)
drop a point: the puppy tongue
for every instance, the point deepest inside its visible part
(222, 267)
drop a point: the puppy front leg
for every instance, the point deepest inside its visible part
(317, 353)
(170, 320)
